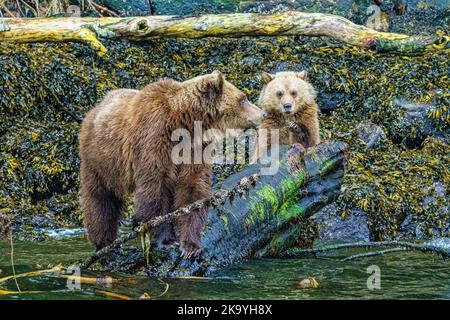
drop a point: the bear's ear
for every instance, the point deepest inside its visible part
(212, 85)
(267, 77)
(302, 75)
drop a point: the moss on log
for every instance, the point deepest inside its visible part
(262, 223)
(293, 23)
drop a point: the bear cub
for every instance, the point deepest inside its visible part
(288, 97)
(126, 145)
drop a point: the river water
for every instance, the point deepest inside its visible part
(403, 275)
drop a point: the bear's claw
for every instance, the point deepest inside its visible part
(189, 251)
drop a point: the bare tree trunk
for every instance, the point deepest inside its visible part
(90, 30)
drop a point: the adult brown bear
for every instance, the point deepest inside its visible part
(126, 145)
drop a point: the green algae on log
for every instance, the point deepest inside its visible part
(292, 23)
(239, 230)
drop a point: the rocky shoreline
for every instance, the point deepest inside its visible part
(392, 111)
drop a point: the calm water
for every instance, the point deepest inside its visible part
(405, 275)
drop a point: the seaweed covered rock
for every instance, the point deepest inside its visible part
(414, 122)
(436, 200)
(330, 101)
(390, 185)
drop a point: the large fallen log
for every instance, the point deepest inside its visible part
(262, 223)
(293, 23)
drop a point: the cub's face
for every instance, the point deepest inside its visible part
(229, 105)
(286, 92)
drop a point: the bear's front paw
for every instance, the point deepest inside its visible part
(190, 249)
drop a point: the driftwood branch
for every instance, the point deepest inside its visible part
(293, 23)
(259, 221)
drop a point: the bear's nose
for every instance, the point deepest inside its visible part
(287, 107)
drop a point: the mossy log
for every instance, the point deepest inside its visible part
(293, 23)
(265, 222)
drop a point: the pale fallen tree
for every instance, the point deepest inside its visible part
(251, 215)
(293, 23)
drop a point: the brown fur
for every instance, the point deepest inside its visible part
(294, 89)
(125, 147)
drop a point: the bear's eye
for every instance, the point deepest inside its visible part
(294, 93)
(244, 101)
(279, 94)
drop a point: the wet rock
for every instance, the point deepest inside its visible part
(129, 7)
(371, 134)
(440, 243)
(332, 226)
(408, 228)
(5, 226)
(414, 227)
(286, 66)
(423, 4)
(330, 101)
(250, 61)
(444, 138)
(198, 7)
(42, 221)
(342, 7)
(268, 6)
(442, 19)
(412, 124)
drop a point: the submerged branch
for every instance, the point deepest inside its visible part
(373, 253)
(402, 245)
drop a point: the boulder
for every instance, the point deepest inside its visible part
(412, 124)
(333, 227)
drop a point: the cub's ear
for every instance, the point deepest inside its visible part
(267, 77)
(212, 84)
(302, 75)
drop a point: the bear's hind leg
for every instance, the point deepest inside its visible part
(101, 211)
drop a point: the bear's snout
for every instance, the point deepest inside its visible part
(287, 107)
(254, 114)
